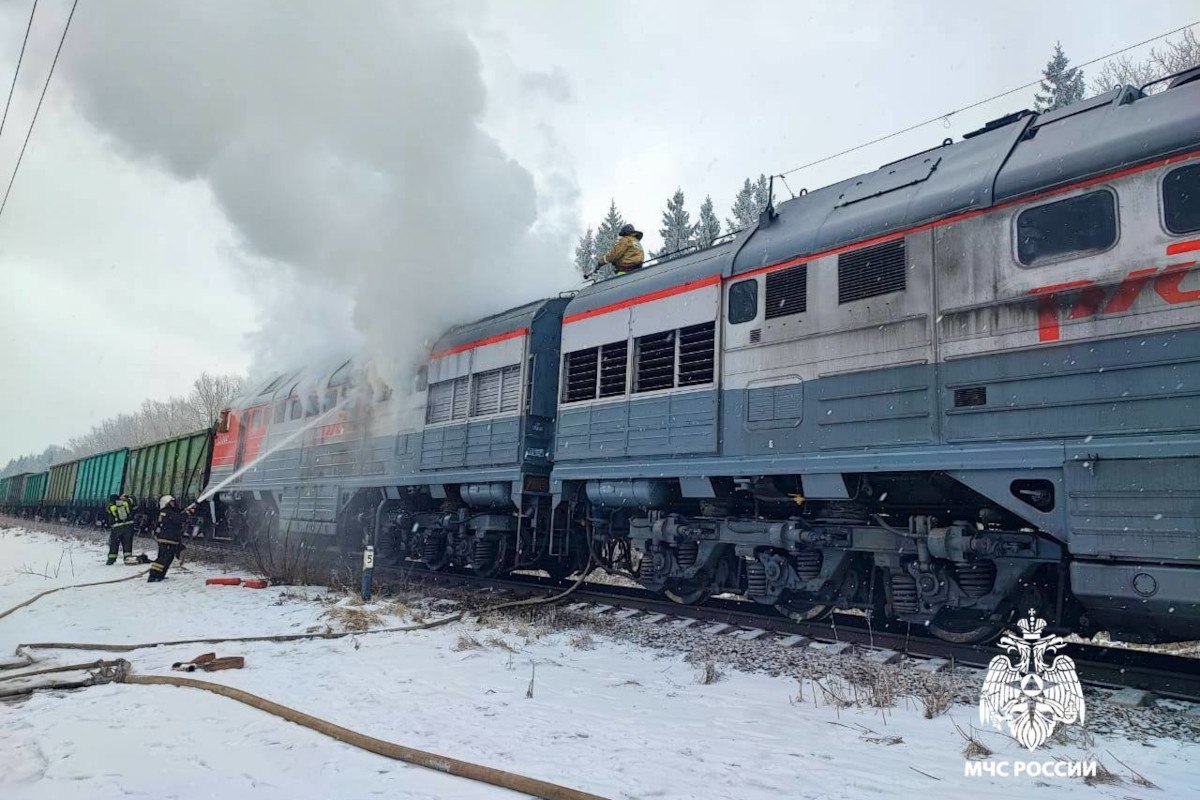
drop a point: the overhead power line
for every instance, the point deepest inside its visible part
(949, 114)
(33, 121)
(17, 71)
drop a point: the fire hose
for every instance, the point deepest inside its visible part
(118, 671)
(40, 595)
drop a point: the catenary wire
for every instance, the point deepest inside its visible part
(17, 71)
(36, 110)
(976, 104)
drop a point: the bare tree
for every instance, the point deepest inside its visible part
(1176, 55)
(210, 395)
(154, 421)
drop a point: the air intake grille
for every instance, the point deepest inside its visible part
(655, 362)
(871, 271)
(580, 376)
(696, 354)
(510, 392)
(486, 393)
(787, 292)
(974, 396)
(756, 335)
(614, 360)
(462, 397)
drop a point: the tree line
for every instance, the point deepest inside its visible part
(678, 232)
(1061, 85)
(154, 421)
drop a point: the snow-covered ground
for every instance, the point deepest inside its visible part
(618, 719)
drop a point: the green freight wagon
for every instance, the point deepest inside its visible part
(178, 467)
(10, 492)
(59, 502)
(98, 477)
(32, 494)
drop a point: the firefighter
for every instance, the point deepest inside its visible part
(626, 254)
(171, 524)
(120, 528)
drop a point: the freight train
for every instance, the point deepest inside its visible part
(943, 392)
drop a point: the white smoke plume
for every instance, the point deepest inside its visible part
(343, 141)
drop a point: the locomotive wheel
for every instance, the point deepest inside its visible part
(488, 557)
(963, 628)
(689, 593)
(799, 610)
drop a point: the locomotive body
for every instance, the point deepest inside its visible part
(957, 386)
(943, 392)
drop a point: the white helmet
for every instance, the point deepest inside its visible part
(164, 501)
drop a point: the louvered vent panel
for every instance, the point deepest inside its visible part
(756, 336)
(696, 354)
(787, 292)
(441, 399)
(655, 362)
(510, 388)
(580, 376)
(871, 271)
(461, 397)
(760, 405)
(614, 360)
(485, 397)
(974, 396)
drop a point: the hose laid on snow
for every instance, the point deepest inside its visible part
(294, 637)
(450, 766)
(73, 586)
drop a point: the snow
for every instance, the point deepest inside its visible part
(618, 720)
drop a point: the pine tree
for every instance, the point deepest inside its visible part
(585, 253)
(749, 203)
(677, 229)
(606, 233)
(1061, 83)
(708, 227)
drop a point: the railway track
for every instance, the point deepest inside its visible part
(1164, 674)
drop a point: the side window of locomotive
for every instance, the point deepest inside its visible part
(1076, 226)
(743, 301)
(280, 411)
(1181, 199)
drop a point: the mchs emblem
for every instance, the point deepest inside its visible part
(1032, 689)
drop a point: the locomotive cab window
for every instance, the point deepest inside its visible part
(743, 301)
(1181, 199)
(1077, 226)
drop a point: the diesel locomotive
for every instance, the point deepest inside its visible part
(943, 392)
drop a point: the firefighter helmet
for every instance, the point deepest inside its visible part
(165, 501)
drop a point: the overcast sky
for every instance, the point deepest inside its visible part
(205, 176)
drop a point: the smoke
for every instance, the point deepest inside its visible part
(344, 143)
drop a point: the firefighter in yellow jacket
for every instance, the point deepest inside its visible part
(626, 254)
(120, 528)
